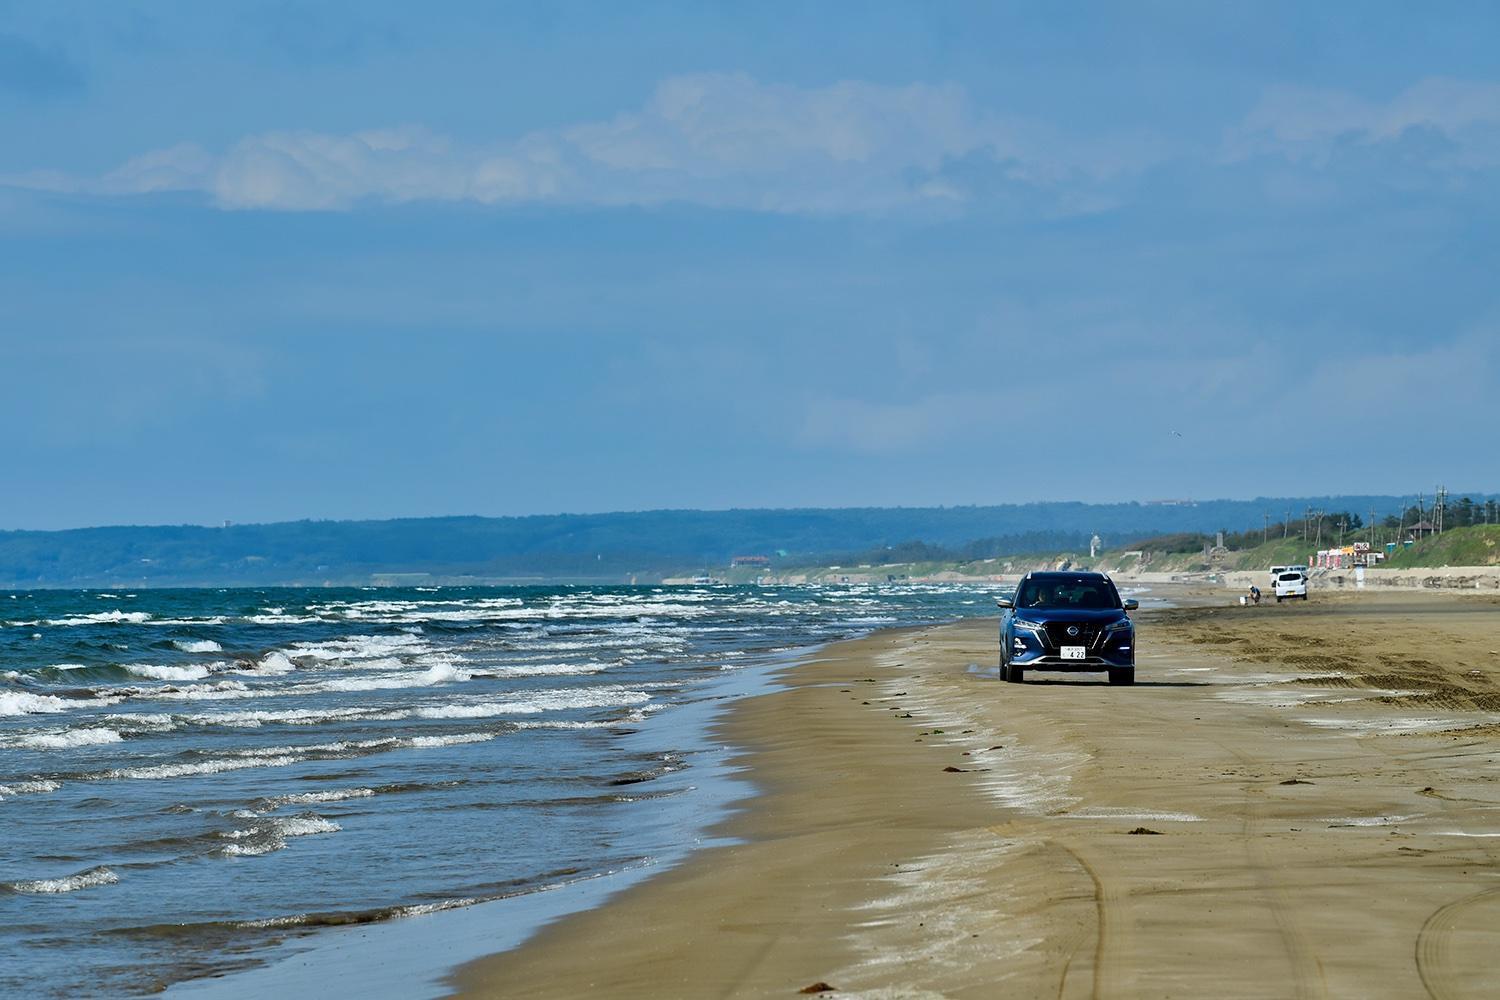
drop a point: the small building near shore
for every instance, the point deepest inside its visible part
(760, 561)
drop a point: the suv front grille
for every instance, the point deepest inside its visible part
(1057, 634)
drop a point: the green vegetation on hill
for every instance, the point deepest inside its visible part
(621, 546)
(1277, 552)
(1474, 546)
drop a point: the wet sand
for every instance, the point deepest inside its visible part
(1295, 800)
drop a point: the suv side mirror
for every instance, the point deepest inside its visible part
(1130, 603)
(1004, 602)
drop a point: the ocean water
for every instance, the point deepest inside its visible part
(189, 778)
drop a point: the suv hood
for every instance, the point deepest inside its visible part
(1100, 615)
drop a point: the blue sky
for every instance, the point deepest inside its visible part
(270, 261)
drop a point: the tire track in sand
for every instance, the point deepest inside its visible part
(1306, 967)
(1112, 948)
(1303, 963)
(1436, 943)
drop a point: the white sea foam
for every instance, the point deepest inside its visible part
(71, 883)
(25, 703)
(115, 616)
(362, 647)
(428, 742)
(312, 798)
(438, 673)
(302, 826)
(567, 724)
(66, 739)
(253, 849)
(382, 743)
(212, 766)
(552, 646)
(32, 787)
(217, 691)
(339, 747)
(198, 645)
(186, 672)
(290, 717)
(543, 670)
(534, 702)
(281, 619)
(274, 835)
(282, 756)
(156, 722)
(275, 662)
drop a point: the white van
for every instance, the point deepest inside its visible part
(1290, 583)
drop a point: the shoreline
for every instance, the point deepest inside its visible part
(1442, 579)
(399, 957)
(919, 828)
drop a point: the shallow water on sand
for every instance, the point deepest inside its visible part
(189, 777)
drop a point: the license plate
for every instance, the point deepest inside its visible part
(1072, 652)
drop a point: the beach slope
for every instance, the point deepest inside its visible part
(1291, 801)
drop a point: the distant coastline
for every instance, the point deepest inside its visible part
(644, 547)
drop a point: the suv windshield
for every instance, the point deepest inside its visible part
(1065, 593)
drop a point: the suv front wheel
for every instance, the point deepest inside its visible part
(1122, 675)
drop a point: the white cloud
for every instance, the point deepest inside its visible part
(721, 140)
(1307, 124)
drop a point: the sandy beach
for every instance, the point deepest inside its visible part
(1291, 801)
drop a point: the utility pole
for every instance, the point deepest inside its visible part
(1439, 503)
(1286, 525)
(1265, 529)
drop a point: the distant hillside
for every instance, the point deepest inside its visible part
(589, 547)
(1474, 546)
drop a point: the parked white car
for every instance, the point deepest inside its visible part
(1291, 583)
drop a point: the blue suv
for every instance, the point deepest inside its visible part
(1066, 621)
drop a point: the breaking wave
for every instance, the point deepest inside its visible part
(189, 672)
(25, 703)
(538, 701)
(70, 883)
(66, 739)
(103, 618)
(273, 835)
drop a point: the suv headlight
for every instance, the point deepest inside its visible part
(1029, 626)
(1123, 625)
